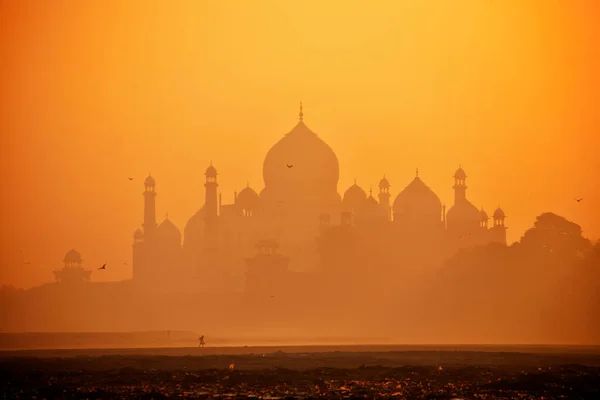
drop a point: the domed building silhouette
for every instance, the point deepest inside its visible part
(73, 271)
(301, 214)
(301, 170)
(418, 207)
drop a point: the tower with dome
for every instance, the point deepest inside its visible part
(72, 271)
(318, 231)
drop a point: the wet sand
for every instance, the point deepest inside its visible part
(291, 349)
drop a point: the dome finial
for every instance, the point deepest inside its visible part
(370, 192)
(301, 114)
(247, 183)
(417, 172)
(355, 181)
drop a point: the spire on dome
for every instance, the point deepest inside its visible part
(417, 172)
(301, 114)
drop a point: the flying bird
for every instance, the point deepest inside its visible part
(26, 262)
(579, 200)
(130, 178)
(289, 165)
(103, 266)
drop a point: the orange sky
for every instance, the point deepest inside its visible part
(92, 92)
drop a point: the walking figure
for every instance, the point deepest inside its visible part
(201, 344)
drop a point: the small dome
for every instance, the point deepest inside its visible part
(371, 207)
(460, 173)
(73, 256)
(211, 171)
(149, 181)
(417, 200)
(247, 199)
(354, 196)
(384, 183)
(168, 231)
(499, 214)
(371, 202)
(463, 214)
(484, 216)
(138, 234)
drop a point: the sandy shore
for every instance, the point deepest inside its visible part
(360, 351)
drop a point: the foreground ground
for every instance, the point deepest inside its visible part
(337, 374)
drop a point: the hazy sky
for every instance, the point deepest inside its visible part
(94, 91)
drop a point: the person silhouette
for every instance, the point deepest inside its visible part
(202, 343)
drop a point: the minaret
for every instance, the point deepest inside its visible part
(499, 217)
(384, 197)
(460, 186)
(211, 207)
(149, 206)
(211, 186)
(499, 229)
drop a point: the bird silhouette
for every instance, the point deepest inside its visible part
(26, 263)
(272, 297)
(579, 200)
(289, 165)
(130, 178)
(103, 266)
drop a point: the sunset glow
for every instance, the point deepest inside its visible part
(94, 92)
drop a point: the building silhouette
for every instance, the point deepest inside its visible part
(72, 272)
(300, 214)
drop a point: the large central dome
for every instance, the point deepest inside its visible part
(301, 160)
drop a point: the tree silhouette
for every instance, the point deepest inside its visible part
(556, 235)
(544, 287)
